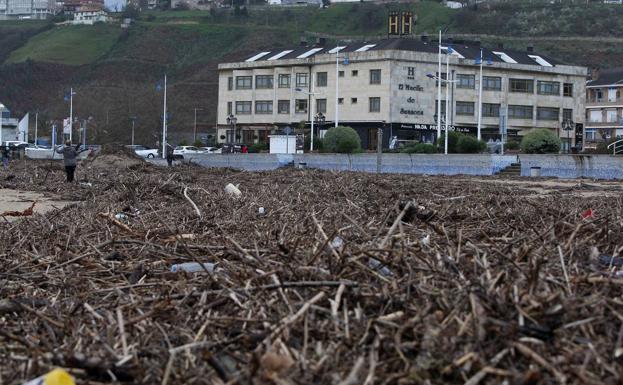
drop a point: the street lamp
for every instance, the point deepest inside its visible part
(313, 94)
(447, 119)
(195, 127)
(133, 118)
(567, 125)
(2, 107)
(231, 120)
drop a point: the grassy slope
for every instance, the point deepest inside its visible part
(74, 45)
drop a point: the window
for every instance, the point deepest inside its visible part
(229, 108)
(375, 76)
(264, 107)
(375, 104)
(321, 79)
(591, 134)
(567, 89)
(520, 112)
(547, 113)
(353, 100)
(443, 108)
(243, 108)
(465, 81)
(340, 74)
(595, 116)
(340, 101)
(548, 88)
(283, 106)
(300, 106)
(230, 83)
(264, 81)
(567, 114)
(521, 85)
(284, 81)
(321, 106)
(465, 108)
(444, 76)
(301, 80)
(492, 83)
(600, 95)
(491, 110)
(410, 71)
(244, 82)
(611, 115)
(354, 73)
(612, 94)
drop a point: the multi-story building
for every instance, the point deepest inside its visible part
(604, 107)
(89, 15)
(391, 84)
(26, 9)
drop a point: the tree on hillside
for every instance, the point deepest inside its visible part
(130, 11)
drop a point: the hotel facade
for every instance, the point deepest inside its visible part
(391, 85)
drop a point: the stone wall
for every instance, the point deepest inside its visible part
(574, 166)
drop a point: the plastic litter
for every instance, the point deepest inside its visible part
(377, 265)
(337, 242)
(607, 260)
(55, 377)
(121, 217)
(261, 211)
(587, 214)
(86, 184)
(193, 267)
(233, 190)
(426, 240)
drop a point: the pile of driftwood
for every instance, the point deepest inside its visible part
(309, 277)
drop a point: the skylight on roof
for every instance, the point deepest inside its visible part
(454, 52)
(258, 56)
(308, 53)
(280, 54)
(337, 49)
(505, 58)
(541, 61)
(365, 47)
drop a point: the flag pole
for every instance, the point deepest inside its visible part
(71, 113)
(439, 91)
(164, 121)
(480, 98)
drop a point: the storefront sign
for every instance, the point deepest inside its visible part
(433, 127)
(411, 112)
(409, 87)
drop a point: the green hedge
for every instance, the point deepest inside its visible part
(541, 141)
(341, 139)
(419, 148)
(459, 143)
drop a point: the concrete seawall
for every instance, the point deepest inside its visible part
(434, 164)
(574, 166)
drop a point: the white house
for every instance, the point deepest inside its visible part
(90, 16)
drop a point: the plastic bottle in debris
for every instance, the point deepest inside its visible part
(233, 190)
(337, 242)
(377, 265)
(193, 267)
(55, 377)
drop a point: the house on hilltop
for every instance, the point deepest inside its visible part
(90, 15)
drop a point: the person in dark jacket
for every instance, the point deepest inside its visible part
(69, 159)
(5, 156)
(169, 155)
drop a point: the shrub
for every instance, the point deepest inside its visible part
(341, 139)
(541, 141)
(258, 147)
(419, 148)
(512, 145)
(453, 140)
(317, 143)
(470, 145)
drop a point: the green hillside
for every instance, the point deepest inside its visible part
(114, 71)
(74, 45)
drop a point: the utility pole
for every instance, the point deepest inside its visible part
(379, 149)
(36, 125)
(164, 121)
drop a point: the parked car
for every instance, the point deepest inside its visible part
(143, 151)
(230, 148)
(181, 151)
(15, 143)
(210, 150)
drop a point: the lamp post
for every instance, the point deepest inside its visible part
(195, 126)
(1, 116)
(567, 125)
(133, 118)
(447, 119)
(232, 120)
(313, 95)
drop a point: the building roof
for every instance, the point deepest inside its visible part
(612, 76)
(460, 49)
